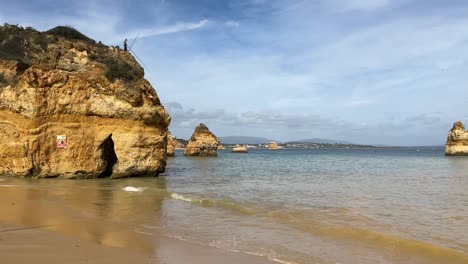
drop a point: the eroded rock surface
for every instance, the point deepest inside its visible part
(457, 140)
(171, 144)
(202, 143)
(95, 95)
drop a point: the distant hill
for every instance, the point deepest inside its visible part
(321, 141)
(244, 140)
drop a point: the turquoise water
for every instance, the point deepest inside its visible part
(293, 206)
(394, 205)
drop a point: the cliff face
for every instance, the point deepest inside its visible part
(73, 108)
(180, 143)
(457, 140)
(171, 144)
(202, 143)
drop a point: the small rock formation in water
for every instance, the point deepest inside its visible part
(240, 149)
(74, 108)
(221, 147)
(457, 140)
(202, 143)
(273, 146)
(171, 144)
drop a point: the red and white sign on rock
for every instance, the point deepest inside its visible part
(61, 141)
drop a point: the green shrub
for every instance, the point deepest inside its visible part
(16, 42)
(41, 41)
(31, 29)
(12, 49)
(93, 56)
(68, 32)
(119, 70)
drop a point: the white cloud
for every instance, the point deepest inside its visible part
(359, 5)
(262, 118)
(366, 76)
(360, 102)
(252, 81)
(391, 44)
(102, 21)
(284, 126)
(175, 28)
(232, 23)
(425, 119)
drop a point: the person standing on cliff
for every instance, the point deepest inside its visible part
(125, 45)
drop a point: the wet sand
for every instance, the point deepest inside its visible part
(20, 244)
(91, 222)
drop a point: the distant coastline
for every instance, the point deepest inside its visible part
(309, 145)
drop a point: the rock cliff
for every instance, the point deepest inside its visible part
(74, 108)
(457, 140)
(202, 143)
(180, 143)
(171, 144)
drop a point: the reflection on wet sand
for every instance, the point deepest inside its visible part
(95, 210)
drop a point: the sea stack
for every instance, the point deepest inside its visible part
(240, 149)
(457, 140)
(170, 145)
(74, 108)
(221, 147)
(273, 146)
(202, 143)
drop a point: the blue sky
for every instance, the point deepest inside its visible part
(365, 71)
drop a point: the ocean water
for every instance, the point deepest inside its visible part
(389, 205)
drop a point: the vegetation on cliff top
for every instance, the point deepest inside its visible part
(30, 46)
(117, 69)
(68, 32)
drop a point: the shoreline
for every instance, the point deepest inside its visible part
(39, 225)
(21, 244)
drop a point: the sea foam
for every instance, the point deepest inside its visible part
(180, 197)
(134, 189)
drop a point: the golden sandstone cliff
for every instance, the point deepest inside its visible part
(171, 145)
(73, 108)
(202, 143)
(457, 140)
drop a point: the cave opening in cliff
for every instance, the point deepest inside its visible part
(108, 155)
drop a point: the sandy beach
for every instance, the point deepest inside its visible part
(208, 210)
(69, 223)
(36, 245)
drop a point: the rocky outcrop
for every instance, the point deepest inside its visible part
(273, 146)
(73, 108)
(180, 143)
(221, 147)
(240, 149)
(171, 144)
(202, 143)
(457, 140)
